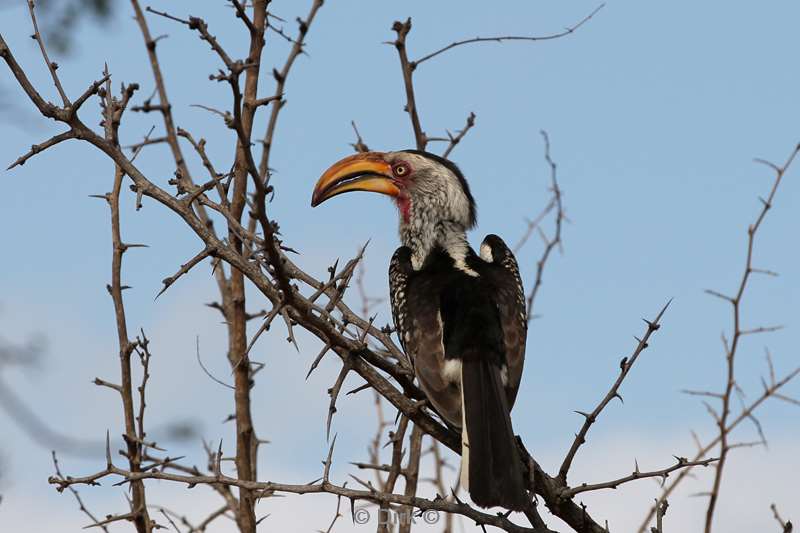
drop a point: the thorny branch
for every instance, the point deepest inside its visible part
(402, 29)
(568, 30)
(625, 366)
(77, 496)
(726, 421)
(51, 65)
(556, 205)
(770, 391)
(408, 67)
(636, 474)
(280, 87)
(134, 439)
(738, 331)
(455, 139)
(36, 148)
(267, 488)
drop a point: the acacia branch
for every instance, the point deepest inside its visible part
(411, 474)
(37, 148)
(267, 488)
(455, 139)
(565, 32)
(359, 145)
(550, 243)
(200, 26)
(139, 514)
(242, 14)
(246, 441)
(590, 418)
(280, 88)
(769, 391)
(407, 68)
(184, 176)
(738, 333)
(77, 496)
(184, 269)
(636, 475)
(52, 66)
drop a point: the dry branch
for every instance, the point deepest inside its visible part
(568, 30)
(407, 68)
(737, 332)
(36, 148)
(636, 475)
(51, 65)
(624, 368)
(139, 514)
(769, 392)
(549, 243)
(455, 139)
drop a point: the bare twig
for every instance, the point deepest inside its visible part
(550, 243)
(407, 68)
(359, 145)
(242, 14)
(280, 87)
(568, 30)
(663, 473)
(184, 269)
(321, 486)
(77, 496)
(625, 366)
(209, 374)
(737, 333)
(769, 392)
(139, 514)
(411, 474)
(52, 66)
(455, 139)
(36, 148)
(336, 515)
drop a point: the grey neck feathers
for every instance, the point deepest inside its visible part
(441, 218)
(423, 238)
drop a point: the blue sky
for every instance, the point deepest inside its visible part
(655, 112)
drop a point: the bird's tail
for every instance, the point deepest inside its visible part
(490, 464)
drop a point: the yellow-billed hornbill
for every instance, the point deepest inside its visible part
(459, 316)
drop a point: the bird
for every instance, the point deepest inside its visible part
(460, 316)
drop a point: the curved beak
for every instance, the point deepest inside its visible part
(367, 171)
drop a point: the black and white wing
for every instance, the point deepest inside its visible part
(506, 281)
(418, 321)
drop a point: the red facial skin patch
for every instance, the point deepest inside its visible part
(404, 205)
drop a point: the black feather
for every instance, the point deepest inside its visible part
(495, 474)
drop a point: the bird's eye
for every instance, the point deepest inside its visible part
(401, 170)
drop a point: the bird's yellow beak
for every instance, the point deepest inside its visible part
(367, 171)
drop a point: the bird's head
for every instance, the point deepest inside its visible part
(427, 188)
